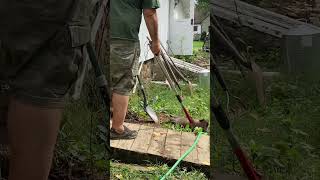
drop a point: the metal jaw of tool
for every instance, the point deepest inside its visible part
(151, 113)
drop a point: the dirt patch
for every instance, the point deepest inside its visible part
(202, 62)
(133, 117)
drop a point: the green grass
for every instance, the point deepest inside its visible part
(152, 172)
(74, 152)
(282, 139)
(79, 146)
(163, 100)
(197, 45)
(198, 54)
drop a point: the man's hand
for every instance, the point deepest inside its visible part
(155, 47)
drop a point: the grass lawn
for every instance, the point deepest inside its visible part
(198, 54)
(163, 100)
(136, 172)
(282, 139)
(197, 45)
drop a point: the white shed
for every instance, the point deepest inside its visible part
(197, 29)
(176, 19)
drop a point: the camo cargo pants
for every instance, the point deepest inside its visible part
(124, 62)
(40, 52)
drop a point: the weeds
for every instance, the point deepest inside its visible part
(123, 172)
(198, 54)
(80, 151)
(163, 100)
(281, 139)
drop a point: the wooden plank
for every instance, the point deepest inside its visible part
(164, 83)
(182, 63)
(158, 141)
(188, 66)
(255, 17)
(245, 8)
(252, 23)
(173, 144)
(142, 141)
(264, 74)
(187, 140)
(127, 143)
(203, 150)
(185, 65)
(165, 143)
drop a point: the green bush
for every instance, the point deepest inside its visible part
(203, 36)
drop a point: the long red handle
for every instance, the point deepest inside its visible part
(188, 115)
(224, 123)
(246, 165)
(186, 112)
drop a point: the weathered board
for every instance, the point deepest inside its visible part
(188, 66)
(187, 140)
(164, 143)
(158, 140)
(255, 17)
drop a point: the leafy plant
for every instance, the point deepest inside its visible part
(122, 172)
(203, 36)
(283, 154)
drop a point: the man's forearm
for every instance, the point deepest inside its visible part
(151, 19)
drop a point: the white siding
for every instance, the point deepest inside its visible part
(205, 25)
(165, 26)
(181, 29)
(198, 30)
(163, 16)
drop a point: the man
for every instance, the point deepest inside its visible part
(125, 22)
(40, 53)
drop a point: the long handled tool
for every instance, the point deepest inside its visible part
(255, 71)
(171, 66)
(167, 66)
(182, 76)
(137, 82)
(173, 86)
(146, 107)
(224, 123)
(102, 84)
(172, 83)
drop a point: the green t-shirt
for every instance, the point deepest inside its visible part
(125, 17)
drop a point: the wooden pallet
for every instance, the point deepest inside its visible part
(164, 144)
(255, 17)
(189, 66)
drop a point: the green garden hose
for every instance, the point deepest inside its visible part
(183, 156)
